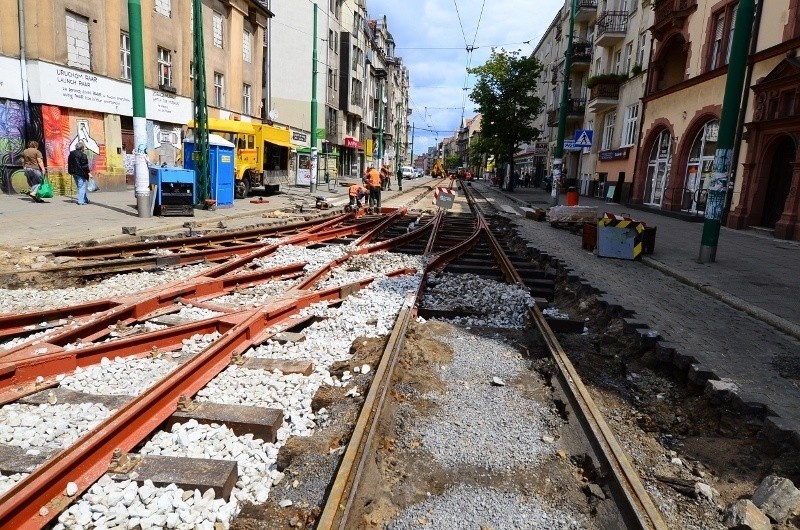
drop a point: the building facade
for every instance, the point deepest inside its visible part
(76, 78)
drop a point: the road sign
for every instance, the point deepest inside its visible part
(569, 145)
(583, 138)
(444, 197)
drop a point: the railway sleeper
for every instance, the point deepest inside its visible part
(261, 422)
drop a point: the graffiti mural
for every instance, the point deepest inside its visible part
(12, 140)
(164, 143)
(63, 128)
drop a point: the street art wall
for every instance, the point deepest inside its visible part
(12, 138)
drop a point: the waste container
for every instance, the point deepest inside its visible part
(174, 191)
(572, 196)
(221, 156)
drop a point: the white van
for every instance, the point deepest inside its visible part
(408, 172)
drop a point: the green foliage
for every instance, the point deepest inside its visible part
(636, 69)
(505, 95)
(452, 162)
(606, 79)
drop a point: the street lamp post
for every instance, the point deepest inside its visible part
(558, 156)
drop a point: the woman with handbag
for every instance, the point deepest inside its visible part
(78, 167)
(33, 164)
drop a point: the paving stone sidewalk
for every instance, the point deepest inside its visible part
(719, 340)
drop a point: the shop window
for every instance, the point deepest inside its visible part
(658, 168)
(698, 168)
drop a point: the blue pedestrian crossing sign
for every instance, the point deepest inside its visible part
(583, 138)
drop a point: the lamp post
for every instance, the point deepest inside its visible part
(312, 187)
(201, 154)
(140, 171)
(558, 155)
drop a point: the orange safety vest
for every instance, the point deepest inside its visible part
(374, 178)
(353, 190)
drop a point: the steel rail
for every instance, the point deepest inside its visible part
(639, 503)
(119, 250)
(86, 460)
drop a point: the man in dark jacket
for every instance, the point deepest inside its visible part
(78, 167)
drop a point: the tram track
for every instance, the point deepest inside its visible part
(457, 244)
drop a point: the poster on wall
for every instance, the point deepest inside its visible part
(11, 81)
(303, 170)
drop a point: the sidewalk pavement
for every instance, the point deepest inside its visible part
(756, 271)
(59, 222)
(731, 321)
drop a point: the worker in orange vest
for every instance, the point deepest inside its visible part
(373, 182)
(356, 192)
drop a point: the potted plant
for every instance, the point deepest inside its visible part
(636, 69)
(606, 79)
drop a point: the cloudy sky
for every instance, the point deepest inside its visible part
(429, 38)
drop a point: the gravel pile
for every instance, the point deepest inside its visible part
(472, 507)
(26, 300)
(46, 425)
(506, 416)
(314, 258)
(257, 295)
(255, 458)
(362, 266)
(124, 505)
(494, 303)
(258, 388)
(120, 377)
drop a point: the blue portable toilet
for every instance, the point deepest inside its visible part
(221, 163)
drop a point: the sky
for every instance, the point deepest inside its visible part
(431, 36)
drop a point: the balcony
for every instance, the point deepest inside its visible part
(611, 28)
(586, 10)
(581, 56)
(576, 108)
(671, 14)
(603, 95)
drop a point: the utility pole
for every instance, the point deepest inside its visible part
(397, 139)
(558, 156)
(723, 157)
(201, 148)
(412, 145)
(312, 187)
(140, 170)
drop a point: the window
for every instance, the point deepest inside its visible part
(164, 67)
(629, 127)
(330, 39)
(618, 62)
(640, 52)
(716, 45)
(699, 168)
(163, 7)
(608, 131)
(246, 94)
(330, 77)
(219, 89)
(247, 46)
(658, 169)
(730, 36)
(124, 55)
(217, 26)
(628, 56)
(78, 44)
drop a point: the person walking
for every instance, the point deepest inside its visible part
(78, 167)
(373, 181)
(33, 165)
(399, 178)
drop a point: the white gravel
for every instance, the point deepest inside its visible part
(8, 481)
(52, 426)
(362, 266)
(37, 299)
(495, 304)
(257, 295)
(120, 377)
(314, 258)
(484, 508)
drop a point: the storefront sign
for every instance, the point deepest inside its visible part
(300, 138)
(615, 154)
(11, 80)
(540, 149)
(352, 143)
(78, 89)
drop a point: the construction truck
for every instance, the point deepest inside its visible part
(253, 141)
(438, 170)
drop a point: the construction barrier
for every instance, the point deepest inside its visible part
(619, 237)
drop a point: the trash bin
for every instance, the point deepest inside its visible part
(572, 196)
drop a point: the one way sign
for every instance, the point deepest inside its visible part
(583, 138)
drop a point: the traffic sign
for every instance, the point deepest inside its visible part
(569, 145)
(583, 138)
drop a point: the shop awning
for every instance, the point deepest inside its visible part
(278, 136)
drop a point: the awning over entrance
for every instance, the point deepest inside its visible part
(278, 136)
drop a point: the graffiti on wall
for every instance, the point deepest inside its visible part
(12, 138)
(164, 143)
(63, 128)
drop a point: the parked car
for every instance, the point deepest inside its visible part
(408, 172)
(417, 173)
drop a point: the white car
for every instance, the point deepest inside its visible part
(417, 173)
(408, 172)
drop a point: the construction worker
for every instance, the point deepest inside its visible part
(356, 192)
(373, 182)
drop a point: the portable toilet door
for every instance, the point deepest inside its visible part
(221, 162)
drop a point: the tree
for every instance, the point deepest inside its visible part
(505, 94)
(452, 162)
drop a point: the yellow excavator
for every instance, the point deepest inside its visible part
(438, 170)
